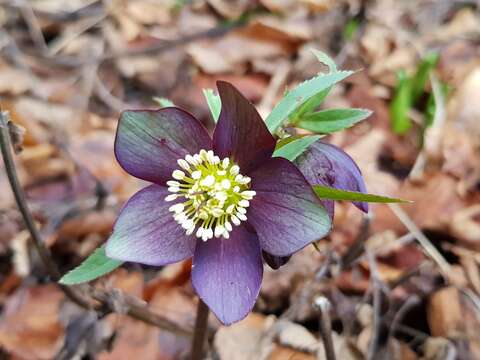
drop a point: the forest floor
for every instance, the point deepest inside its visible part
(403, 283)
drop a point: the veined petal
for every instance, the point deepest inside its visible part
(227, 274)
(326, 164)
(241, 133)
(285, 212)
(145, 231)
(148, 143)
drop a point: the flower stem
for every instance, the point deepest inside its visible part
(324, 306)
(200, 332)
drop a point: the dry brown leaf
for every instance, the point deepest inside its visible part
(242, 341)
(444, 312)
(30, 327)
(284, 353)
(232, 52)
(134, 340)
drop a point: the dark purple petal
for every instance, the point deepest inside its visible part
(241, 133)
(275, 262)
(285, 212)
(326, 164)
(149, 143)
(145, 231)
(227, 274)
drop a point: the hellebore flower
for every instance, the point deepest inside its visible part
(222, 200)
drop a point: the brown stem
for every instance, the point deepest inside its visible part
(200, 332)
(101, 299)
(322, 304)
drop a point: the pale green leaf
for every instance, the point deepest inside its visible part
(96, 265)
(163, 102)
(325, 192)
(331, 120)
(295, 148)
(401, 104)
(214, 103)
(325, 59)
(300, 95)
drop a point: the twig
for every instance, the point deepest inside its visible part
(324, 306)
(200, 332)
(377, 304)
(428, 247)
(404, 309)
(138, 312)
(161, 46)
(358, 246)
(33, 25)
(43, 252)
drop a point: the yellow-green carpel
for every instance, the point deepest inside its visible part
(216, 195)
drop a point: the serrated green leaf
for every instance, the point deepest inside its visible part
(325, 59)
(300, 95)
(163, 102)
(331, 120)
(401, 104)
(295, 148)
(214, 103)
(309, 106)
(325, 192)
(96, 265)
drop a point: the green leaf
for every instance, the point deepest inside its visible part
(299, 95)
(331, 120)
(96, 265)
(309, 106)
(295, 148)
(350, 29)
(401, 104)
(325, 192)
(163, 102)
(214, 103)
(325, 59)
(421, 76)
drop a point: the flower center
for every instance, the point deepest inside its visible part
(216, 195)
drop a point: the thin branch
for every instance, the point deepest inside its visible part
(323, 306)
(377, 304)
(103, 298)
(201, 331)
(428, 247)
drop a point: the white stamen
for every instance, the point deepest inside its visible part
(177, 208)
(173, 189)
(183, 164)
(208, 181)
(178, 174)
(171, 197)
(242, 217)
(244, 203)
(225, 163)
(241, 210)
(234, 170)
(235, 220)
(228, 226)
(196, 175)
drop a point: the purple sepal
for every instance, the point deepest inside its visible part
(285, 212)
(328, 165)
(149, 143)
(241, 133)
(145, 231)
(227, 274)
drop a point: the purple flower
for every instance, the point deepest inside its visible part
(222, 200)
